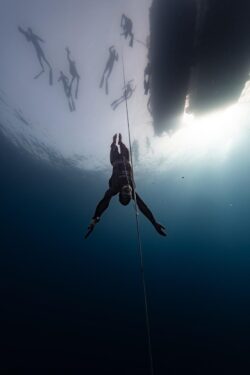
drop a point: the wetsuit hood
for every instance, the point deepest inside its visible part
(125, 195)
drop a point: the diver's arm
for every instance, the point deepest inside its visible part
(103, 204)
(101, 207)
(146, 211)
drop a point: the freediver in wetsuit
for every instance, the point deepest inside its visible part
(128, 90)
(113, 56)
(73, 71)
(67, 90)
(35, 40)
(122, 183)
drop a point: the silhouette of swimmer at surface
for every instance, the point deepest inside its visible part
(127, 26)
(73, 72)
(122, 183)
(127, 93)
(113, 56)
(36, 40)
(67, 90)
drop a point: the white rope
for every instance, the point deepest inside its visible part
(138, 235)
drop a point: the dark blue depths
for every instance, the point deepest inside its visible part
(67, 303)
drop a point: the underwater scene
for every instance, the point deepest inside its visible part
(125, 182)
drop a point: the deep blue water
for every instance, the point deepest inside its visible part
(67, 303)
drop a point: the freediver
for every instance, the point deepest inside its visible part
(36, 40)
(127, 26)
(73, 71)
(113, 56)
(122, 183)
(67, 90)
(127, 93)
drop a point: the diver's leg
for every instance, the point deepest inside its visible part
(41, 57)
(124, 149)
(103, 75)
(41, 63)
(121, 100)
(109, 70)
(50, 71)
(131, 39)
(44, 58)
(114, 153)
(77, 86)
(40, 60)
(70, 106)
(115, 103)
(106, 86)
(72, 102)
(71, 84)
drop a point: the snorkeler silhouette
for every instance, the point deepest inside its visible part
(113, 56)
(73, 72)
(36, 40)
(67, 90)
(127, 25)
(128, 90)
(122, 183)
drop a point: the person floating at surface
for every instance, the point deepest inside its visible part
(147, 78)
(73, 72)
(35, 40)
(113, 56)
(67, 90)
(128, 90)
(127, 26)
(122, 183)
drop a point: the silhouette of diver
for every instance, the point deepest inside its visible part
(113, 56)
(127, 93)
(35, 40)
(67, 90)
(73, 72)
(127, 25)
(122, 182)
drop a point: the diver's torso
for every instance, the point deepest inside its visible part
(122, 174)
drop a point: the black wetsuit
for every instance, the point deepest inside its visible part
(122, 175)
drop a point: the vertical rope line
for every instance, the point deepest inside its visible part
(139, 237)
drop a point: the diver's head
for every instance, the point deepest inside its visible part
(125, 195)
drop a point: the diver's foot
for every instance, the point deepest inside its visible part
(120, 139)
(114, 138)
